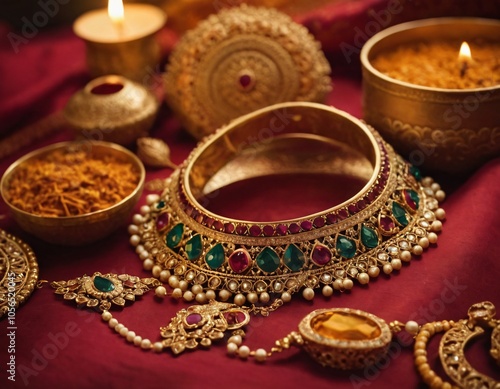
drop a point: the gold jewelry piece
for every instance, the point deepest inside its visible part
(350, 339)
(393, 216)
(18, 274)
(240, 60)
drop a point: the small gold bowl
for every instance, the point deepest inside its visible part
(80, 229)
(448, 130)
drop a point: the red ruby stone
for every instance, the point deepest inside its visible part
(306, 225)
(162, 221)
(409, 200)
(239, 261)
(189, 210)
(268, 230)
(386, 223)
(218, 226)
(193, 318)
(255, 230)
(319, 222)
(199, 218)
(294, 228)
(234, 317)
(352, 209)
(245, 81)
(209, 221)
(241, 230)
(371, 196)
(361, 204)
(331, 218)
(281, 229)
(229, 228)
(342, 214)
(321, 255)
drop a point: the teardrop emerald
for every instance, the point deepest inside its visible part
(103, 284)
(369, 237)
(294, 258)
(194, 247)
(268, 260)
(174, 236)
(215, 257)
(345, 247)
(399, 214)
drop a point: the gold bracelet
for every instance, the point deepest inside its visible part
(393, 216)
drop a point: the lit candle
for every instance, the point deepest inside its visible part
(121, 39)
(465, 57)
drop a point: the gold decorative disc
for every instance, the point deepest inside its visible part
(18, 273)
(240, 60)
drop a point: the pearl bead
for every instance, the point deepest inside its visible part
(152, 198)
(396, 264)
(183, 285)
(119, 327)
(173, 281)
(201, 298)
(106, 316)
(440, 195)
(135, 240)
(424, 242)
(417, 250)
(177, 293)
(433, 238)
(236, 339)
(252, 298)
(374, 271)
(440, 213)
(232, 348)
(197, 288)
(148, 264)
(260, 355)
(264, 297)
(244, 352)
(130, 336)
(164, 275)
(327, 291)
(145, 344)
(411, 327)
(239, 299)
(308, 294)
(188, 296)
(137, 219)
(363, 278)
(124, 331)
(139, 249)
(405, 256)
(145, 209)
(143, 255)
(156, 271)
(427, 181)
(210, 294)
(137, 340)
(387, 268)
(113, 323)
(133, 229)
(435, 186)
(286, 297)
(337, 284)
(224, 295)
(347, 283)
(436, 226)
(157, 347)
(160, 291)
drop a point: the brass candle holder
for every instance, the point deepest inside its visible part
(450, 130)
(128, 48)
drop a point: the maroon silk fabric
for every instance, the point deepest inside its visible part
(59, 346)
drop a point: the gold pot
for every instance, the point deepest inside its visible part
(450, 130)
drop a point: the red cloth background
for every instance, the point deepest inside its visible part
(59, 346)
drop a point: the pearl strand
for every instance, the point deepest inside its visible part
(129, 335)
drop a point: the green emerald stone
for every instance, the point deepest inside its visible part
(399, 213)
(369, 237)
(268, 260)
(161, 204)
(215, 257)
(345, 247)
(294, 258)
(174, 236)
(415, 172)
(103, 284)
(194, 247)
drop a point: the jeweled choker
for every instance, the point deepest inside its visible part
(393, 216)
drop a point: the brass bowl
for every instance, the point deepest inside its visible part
(81, 229)
(448, 130)
(112, 108)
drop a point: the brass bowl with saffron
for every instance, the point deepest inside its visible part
(452, 130)
(73, 193)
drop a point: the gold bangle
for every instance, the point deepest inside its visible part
(240, 60)
(393, 215)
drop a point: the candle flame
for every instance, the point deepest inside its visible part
(465, 54)
(116, 12)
